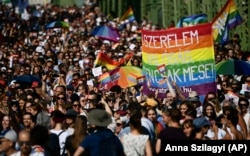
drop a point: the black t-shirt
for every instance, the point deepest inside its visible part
(52, 148)
(168, 135)
(172, 133)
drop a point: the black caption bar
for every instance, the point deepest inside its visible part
(206, 147)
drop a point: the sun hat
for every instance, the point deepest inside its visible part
(99, 117)
(9, 135)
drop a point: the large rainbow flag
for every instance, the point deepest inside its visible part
(188, 55)
(228, 18)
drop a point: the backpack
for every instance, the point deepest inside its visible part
(64, 153)
(110, 145)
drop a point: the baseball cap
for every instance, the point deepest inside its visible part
(49, 60)
(9, 134)
(201, 122)
(71, 113)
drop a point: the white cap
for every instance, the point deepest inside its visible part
(10, 135)
(39, 49)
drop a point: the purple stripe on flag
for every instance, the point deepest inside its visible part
(202, 89)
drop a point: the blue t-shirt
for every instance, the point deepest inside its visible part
(91, 143)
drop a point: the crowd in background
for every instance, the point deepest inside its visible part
(60, 115)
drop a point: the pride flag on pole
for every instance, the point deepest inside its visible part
(104, 78)
(188, 54)
(103, 59)
(228, 18)
(192, 20)
(128, 16)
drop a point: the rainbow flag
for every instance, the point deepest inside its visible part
(192, 20)
(128, 16)
(104, 78)
(228, 18)
(103, 59)
(188, 54)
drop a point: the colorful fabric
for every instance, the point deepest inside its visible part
(158, 128)
(103, 59)
(225, 20)
(188, 54)
(125, 76)
(192, 20)
(128, 15)
(105, 78)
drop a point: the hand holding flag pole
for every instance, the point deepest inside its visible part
(162, 71)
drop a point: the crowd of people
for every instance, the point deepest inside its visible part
(63, 114)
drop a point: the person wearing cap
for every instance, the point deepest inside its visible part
(8, 140)
(202, 125)
(194, 98)
(70, 115)
(98, 119)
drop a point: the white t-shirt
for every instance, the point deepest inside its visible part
(134, 145)
(62, 138)
(221, 133)
(33, 153)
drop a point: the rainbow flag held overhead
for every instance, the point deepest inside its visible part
(128, 16)
(104, 78)
(192, 20)
(103, 59)
(188, 56)
(228, 18)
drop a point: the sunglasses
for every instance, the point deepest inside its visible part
(90, 100)
(21, 143)
(60, 98)
(118, 124)
(243, 104)
(76, 105)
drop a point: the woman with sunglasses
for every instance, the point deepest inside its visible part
(60, 103)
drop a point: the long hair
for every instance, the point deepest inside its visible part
(213, 115)
(135, 122)
(80, 131)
